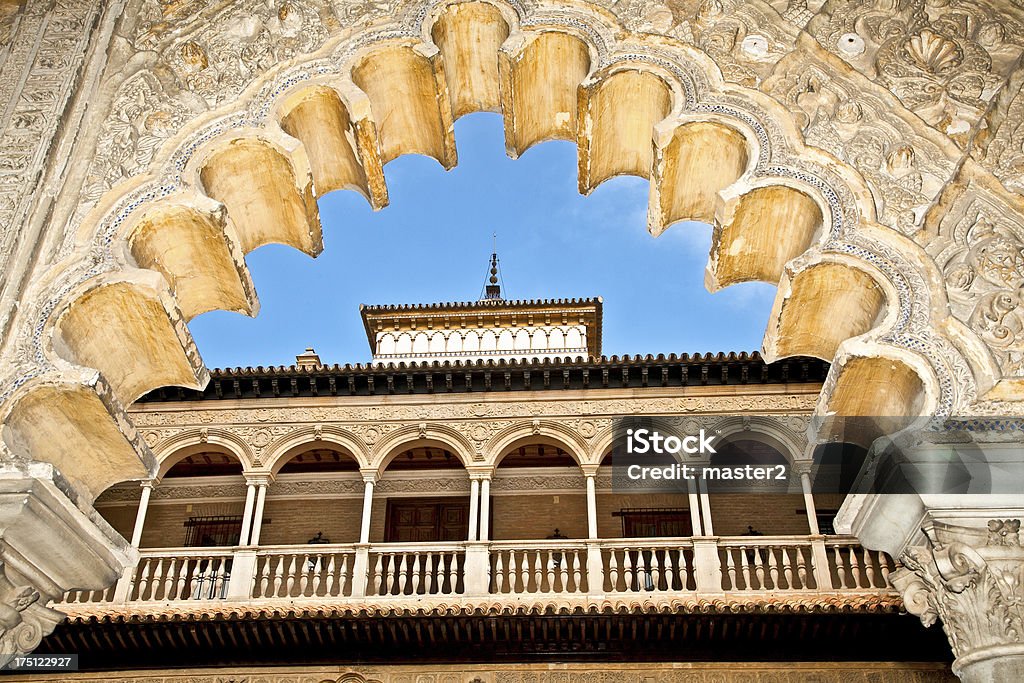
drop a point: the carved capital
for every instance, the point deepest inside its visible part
(24, 620)
(80, 552)
(973, 580)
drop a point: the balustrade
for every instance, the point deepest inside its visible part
(759, 563)
(429, 569)
(853, 566)
(701, 565)
(648, 565)
(538, 567)
(284, 573)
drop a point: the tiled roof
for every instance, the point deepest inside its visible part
(84, 613)
(505, 375)
(481, 303)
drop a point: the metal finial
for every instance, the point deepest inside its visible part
(493, 290)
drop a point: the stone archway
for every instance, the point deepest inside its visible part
(215, 139)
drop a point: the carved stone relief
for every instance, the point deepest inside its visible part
(945, 61)
(42, 46)
(980, 248)
(1000, 145)
(725, 404)
(843, 113)
(745, 38)
(24, 618)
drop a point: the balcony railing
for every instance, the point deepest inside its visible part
(712, 566)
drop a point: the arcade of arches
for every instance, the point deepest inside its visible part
(865, 158)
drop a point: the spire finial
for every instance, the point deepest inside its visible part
(492, 291)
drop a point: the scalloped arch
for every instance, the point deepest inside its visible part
(552, 72)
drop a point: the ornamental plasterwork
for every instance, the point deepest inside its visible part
(585, 434)
(24, 617)
(745, 38)
(840, 111)
(191, 415)
(196, 70)
(980, 249)
(945, 61)
(42, 48)
(1000, 148)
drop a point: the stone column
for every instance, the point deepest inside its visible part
(250, 500)
(595, 560)
(474, 507)
(804, 470)
(973, 580)
(364, 525)
(140, 516)
(819, 553)
(361, 563)
(591, 478)
(261, 499)
(694, 500)
(485, 508)
(705, 508)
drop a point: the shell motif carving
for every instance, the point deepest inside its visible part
(933, 53)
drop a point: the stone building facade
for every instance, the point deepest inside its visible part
(148, 145)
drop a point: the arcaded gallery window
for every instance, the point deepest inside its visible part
(410, 505)
(647, 514)
(538, 492)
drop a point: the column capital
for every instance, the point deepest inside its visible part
(481, 473)
(369, 474)
(802, 467)
(77, 554)
(590, 469)
(973, 580)
(260, 479)
(149, 483)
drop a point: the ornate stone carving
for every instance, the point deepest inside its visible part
(744, 38)
(945, 62)
(980, 249)
(372, 417)
(24, 619)
(973, 580)
(42, 47)
(906, 165)
(999, 145)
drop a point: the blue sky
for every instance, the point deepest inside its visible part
(433, 242)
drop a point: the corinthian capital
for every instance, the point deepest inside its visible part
(973, 581)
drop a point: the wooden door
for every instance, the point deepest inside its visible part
(427, 520)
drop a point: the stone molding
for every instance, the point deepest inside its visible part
(481, 432)
(717, 672)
